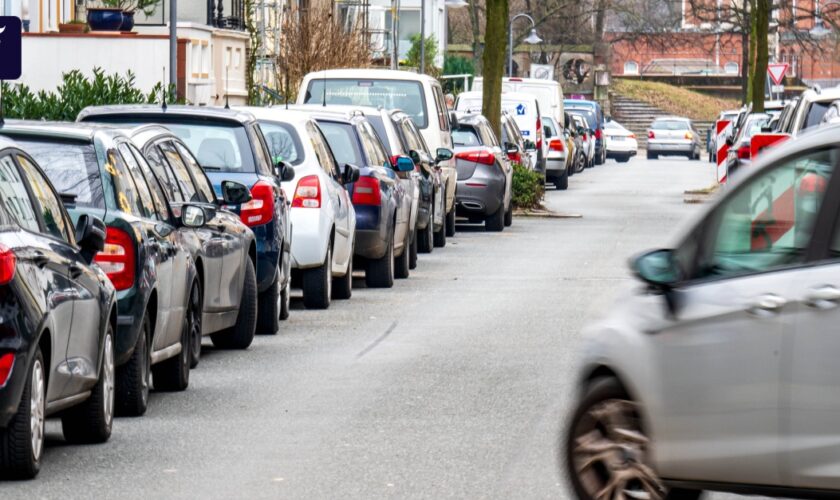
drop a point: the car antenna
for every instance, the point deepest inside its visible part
(227, 90)
(163, 90)
(287, 90)
(324, 95)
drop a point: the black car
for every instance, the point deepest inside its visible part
(223, 294)
(230, 146)
(100, 172)
(58, 319)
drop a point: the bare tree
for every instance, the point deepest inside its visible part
(494, 62)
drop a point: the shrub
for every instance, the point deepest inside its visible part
(527, 187)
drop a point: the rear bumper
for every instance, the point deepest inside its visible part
(481, 194)
(619, 153)
(310, 237)
(665, 147)
(555, 166)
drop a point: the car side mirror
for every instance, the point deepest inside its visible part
(415, 156)
(547, 132)
(730, 141)
(403, 164)
(511, 148)
(90, 236)
(192, 216)
(351, 174)
(658, 268)
(284, 171)
(235, 193)
(443, 154)
(530, 146)
(580, 131)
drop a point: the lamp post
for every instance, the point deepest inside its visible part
(532, 39)
(452, 4)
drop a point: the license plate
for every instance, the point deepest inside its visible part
(617, 138)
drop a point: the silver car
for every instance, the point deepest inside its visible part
(721, 371)
(673, 135)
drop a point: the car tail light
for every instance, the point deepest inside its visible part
(631, 136)
(366, 191)
(7, 265)
(585, 137)
(651, 135)
(308, 193)
(744, 152)
(688, 136)
(483, 157)
(515, 157)
(7, 361)
(260, 210)
(598, 133)
(539, 133)
(555, 145)
(117, 258)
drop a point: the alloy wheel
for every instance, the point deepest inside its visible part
(108, 383)
(36, 409)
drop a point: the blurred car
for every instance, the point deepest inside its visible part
(621, 143)
(594, 117)
(673, 135)
(484, 173)
(739, 150)
(230, 147)
(810, 109)
(729, 115)
(322, 215)
(719, 371)
(513, 142)
(51, 360)
(557, 161)
(583, 130)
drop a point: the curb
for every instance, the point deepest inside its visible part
(546, 214)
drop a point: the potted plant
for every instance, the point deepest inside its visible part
(75, 26)
(129, 7)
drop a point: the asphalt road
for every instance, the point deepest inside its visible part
(454, 384)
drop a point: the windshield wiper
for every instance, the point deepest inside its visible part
(214, 169)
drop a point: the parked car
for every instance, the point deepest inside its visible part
(584, 130)
(597, 120)
(230, 147)
(549, 93)
(322, 215)
(739, 151)
(513, 142)
(382, 236)
(736, 324)
(485, 177)
(220, 246)
(621, 143)
(809, 110)
(419, 96)
(729, 115)
(673, 135)
(51, 360)
(557, 164)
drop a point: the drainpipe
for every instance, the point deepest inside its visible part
(173, 43)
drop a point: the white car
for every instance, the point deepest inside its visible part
(556, 163)
(621, 143)
(549, 93)
(322, 215)
(587, 137)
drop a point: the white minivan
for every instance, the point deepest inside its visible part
(525, 110)
(548, 93)
(419, 96)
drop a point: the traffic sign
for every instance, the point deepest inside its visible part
(777, 72)
(777, 89)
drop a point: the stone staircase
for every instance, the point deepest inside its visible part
(637, 116)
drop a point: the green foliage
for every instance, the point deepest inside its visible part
(456, 65)
(148, 7)
(74, 94)
(412, 58)
(527, 187)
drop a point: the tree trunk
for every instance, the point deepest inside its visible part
(476, 33)
(762, 54)
(495, 38)
(746, 67)
(751, 72)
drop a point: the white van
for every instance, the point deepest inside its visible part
(548, 92)
(525, 110)
(419, 96)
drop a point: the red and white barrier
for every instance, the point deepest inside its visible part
(723, 129)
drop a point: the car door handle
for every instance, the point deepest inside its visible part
(824, 297)
(768, 303)
(75, 271)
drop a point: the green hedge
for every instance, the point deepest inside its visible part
(528, 188)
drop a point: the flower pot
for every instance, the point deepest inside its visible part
(128, 20)
(71, 28)
(104, 19)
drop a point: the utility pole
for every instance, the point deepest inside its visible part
(173, 44)
(422, 37)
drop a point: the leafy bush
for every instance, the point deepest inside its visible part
(412, 58)
(456, 65)
(74, 94)
(527, 187)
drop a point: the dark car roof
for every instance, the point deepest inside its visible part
(63, 130)
(175, 110)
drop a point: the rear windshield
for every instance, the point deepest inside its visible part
(283, 142)
(816, 113)
(342, 140)
(390, 94)
(669, 125)
(71, 167)
(465, 136)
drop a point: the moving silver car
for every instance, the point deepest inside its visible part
(673, 135)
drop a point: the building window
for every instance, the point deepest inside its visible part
(631, 68)
(731, 68)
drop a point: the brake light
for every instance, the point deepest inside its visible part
(260, 210)
(631, 136)
(366, 191)
(117, 258)
(539, 133)
(7, 265)
(7, 361)
(598, 133)
(744, 152)
(483, 157)
(688, 136)
(585, 137)
(555, 145)
(308, 193)
(515, 157)
(651, 135)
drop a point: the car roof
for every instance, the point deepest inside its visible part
(678, 118)
(464, 117)
(62, 130)
(278, 112)
(345, 109)
(176, 110)
(145, 133)
(369, 74)
(324, 112)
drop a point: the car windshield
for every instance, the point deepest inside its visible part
(816, 113)
(342, 140)
(71, 167)
(465, 136)
(390, 94)
(669, 125)
(588, 115)
(283, 142)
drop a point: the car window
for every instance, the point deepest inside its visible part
(670, 125)
(71, 166)
(443, 117)
(413, 139)
(219, 147)
(322, 151)
(55, 223)
(125, 191)
(406, 95)
(768, 222)
(147, 205)
(153, 184)
(343, 142)
(487, 135)
(263, 158)
(373, 146)
(283, 142)
(465, 135)
(15, 197)
(816, 113)
(182, 175)
(164, 174)
(200, 180)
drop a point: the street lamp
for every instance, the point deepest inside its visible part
(532, 39)
(452, 4)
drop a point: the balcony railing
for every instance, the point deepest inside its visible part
(218, 17)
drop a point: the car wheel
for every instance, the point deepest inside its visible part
(607, 450)
(425, 237)
(562, 181)
(450, 223)
(342, 287)
(652, 156)
(495, 222)
(196, 332)
(622, 159)
(268, 314)
(22, 441)
(401, 263)
(509, 215)
(380, 272)
(412, 251)
(440, 236)
(241, 334)
(286, 301)
(317, 283)
(173, 374)
(134, 377)
(91, 421)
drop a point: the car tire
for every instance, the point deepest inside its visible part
(317, 283)
(440, 237)
(20, 454)
(286, 301)
(450, 223)
(173, 374)
(196, 332)
(509, 215)
(134, 377)
(561, 183)
(380, 272)
(412, 253)
(241, 334)
(622, 159)
(342, 287)
(652, 156)
(92, 421)
(425, 237)
(268, 307)
(496, 221)
(401, 263)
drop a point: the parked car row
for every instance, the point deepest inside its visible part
(129, 236)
